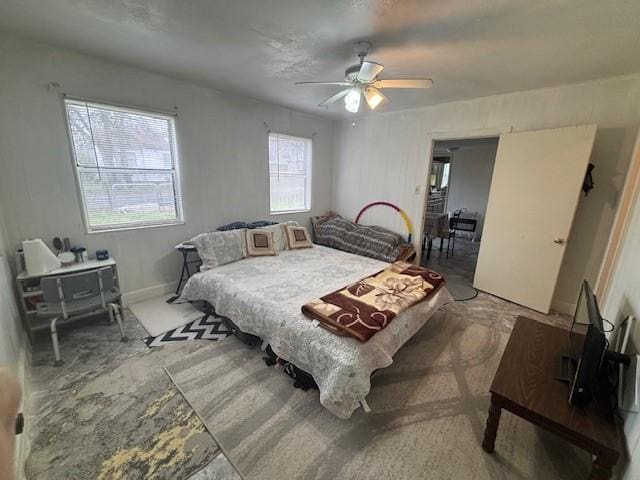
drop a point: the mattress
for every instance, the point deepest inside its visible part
(263, 296)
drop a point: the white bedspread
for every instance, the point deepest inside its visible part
(263, 296)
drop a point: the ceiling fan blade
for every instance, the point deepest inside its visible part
(323, 83)
(374, 97)
(369, 71)
(335, 97)
(404, 83)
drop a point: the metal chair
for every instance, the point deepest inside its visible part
(78, 294)
(453, 226)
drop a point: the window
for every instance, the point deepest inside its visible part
(289, 173)
(126, 164)
(445, 175)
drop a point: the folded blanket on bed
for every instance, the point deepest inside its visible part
(364, 308)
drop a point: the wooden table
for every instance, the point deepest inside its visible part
(435, 225)
(525, 385)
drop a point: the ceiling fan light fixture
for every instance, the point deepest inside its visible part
(373, 97)
(352, 101)
(362, 80)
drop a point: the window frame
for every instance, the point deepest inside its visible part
(77, 168)
(308, 174)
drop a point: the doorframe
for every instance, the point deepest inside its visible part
(628, 200)
(432, 137)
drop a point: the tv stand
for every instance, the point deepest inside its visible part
(525, 385)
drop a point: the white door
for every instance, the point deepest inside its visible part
(534, 193)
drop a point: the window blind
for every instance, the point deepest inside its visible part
(289, 173)
(126, 164)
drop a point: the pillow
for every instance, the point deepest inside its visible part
(297, 237)
(260, 224)
(368, 241)
(259, 243)
(241, 225)
(233, 226)
(316, 221)
(279, 236)
(220, 248)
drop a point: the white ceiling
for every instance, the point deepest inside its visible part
(261, 47)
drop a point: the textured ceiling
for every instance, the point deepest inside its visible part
(261, 47)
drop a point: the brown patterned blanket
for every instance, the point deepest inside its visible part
(364, 308)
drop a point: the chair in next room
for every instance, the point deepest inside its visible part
(78, 295)
(451, 233)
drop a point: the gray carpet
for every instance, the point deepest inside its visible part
(111, 412)
(427, 419)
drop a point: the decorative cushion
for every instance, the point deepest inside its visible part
(220, 248)
(279, 235)
(297, 237)
(232, 226)
(259, 243)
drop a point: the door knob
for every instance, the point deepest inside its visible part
(558, 240)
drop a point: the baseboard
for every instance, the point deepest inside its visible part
(566, 308)
(146, 293)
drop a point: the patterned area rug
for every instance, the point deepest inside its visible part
(427, 420)
(111, 412)
(209, 327)
(157, 315)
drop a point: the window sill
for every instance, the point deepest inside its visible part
(138, 227)
(289, 212)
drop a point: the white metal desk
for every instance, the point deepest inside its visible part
(30, 292)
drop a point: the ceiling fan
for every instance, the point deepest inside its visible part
(362, 80)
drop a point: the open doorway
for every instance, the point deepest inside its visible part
(459, 183)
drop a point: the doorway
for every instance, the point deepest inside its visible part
(459, 182)
(534, 191)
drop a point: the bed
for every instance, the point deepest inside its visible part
(263, 297)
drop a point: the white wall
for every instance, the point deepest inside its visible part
(222, 145)
(13, 341)
(386, 156)
(623, 299)
(12, 338)
(470, 179)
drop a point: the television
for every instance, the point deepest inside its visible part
(588, 365)
(585, 373)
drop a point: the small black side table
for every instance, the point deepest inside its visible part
(185, 273)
